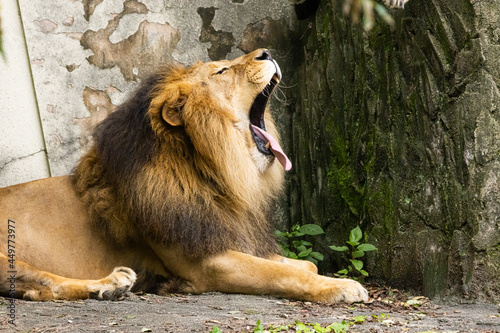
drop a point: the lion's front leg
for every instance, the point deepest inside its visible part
(302, 264)
(30, 283)
(236, 272)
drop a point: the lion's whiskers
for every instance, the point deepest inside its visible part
(280, 94)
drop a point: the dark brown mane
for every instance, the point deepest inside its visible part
(166, 185)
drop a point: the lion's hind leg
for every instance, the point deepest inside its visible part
(21, 280)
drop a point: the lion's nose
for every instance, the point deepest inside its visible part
(265, 55)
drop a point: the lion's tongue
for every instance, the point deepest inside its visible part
(274, 147)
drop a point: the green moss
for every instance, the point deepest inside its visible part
(389, 218)
(341, 178)
(371, 199)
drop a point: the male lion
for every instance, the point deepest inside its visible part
(177, 186)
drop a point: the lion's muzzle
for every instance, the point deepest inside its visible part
(265, 143)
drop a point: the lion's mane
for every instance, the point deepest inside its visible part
(187, 186)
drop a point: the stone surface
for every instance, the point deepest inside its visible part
(239, 313)
(398, 132)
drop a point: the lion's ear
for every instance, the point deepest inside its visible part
(171, 116)
(170, 100)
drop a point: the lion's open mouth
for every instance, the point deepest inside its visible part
(257, 115)
(265, 143)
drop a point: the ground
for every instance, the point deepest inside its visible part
(388, 311)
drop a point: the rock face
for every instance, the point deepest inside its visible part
(398, 131)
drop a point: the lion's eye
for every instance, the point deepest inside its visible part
(222, 70)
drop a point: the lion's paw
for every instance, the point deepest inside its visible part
(115, 285)
(350, 291)
(329, 290)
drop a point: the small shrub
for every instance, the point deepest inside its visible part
(296, 248)
(354, 250)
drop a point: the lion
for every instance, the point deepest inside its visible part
(175, 193)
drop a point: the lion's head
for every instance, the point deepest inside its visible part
(235, 91)
(191, 159)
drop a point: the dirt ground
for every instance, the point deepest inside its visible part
(389, 311)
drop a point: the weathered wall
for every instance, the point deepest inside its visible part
(398, 131)
(22, 149)
(86, 56)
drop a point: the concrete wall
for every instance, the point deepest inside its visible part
(85, 56)
(22, 149)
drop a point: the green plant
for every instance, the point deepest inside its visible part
(259, 328)
(381, 317)
(358, 319)
(299, 326)
(355, 250)
(317, 328)
(281, 328)
(295, 248)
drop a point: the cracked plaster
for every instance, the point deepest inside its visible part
(22, 151)
(64, 63)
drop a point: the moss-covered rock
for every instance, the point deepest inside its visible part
(397, 130)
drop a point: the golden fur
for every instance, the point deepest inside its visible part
(174, 187)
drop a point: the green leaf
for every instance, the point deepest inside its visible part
(311, 259)
(298, 243)
(356, 235)
(343, 271)
(353, 244)
(357, 254)
(365, 273)
(301, 248)
(339, 327)
(300, 327)
(366, 247)
(278, 329)
(304, 253)
(215, 329)
(289, 254)
(311, 229)
(339, 248)
(317, 255)
(320, 329)
(358, 264)
(259, 328)
(279, 233)
(285, 250)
